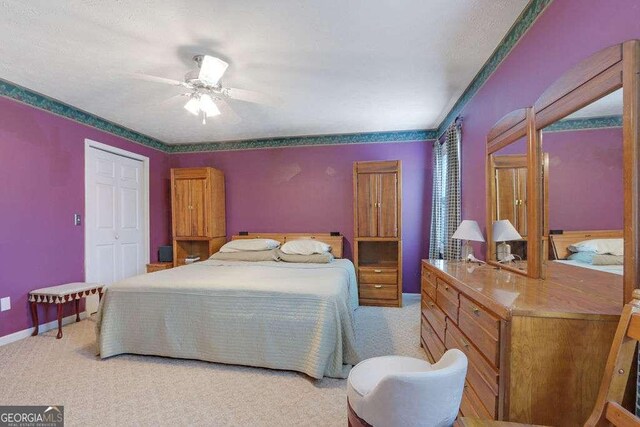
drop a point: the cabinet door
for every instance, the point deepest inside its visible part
(367, 205)
(387, 205)
(198, 208)
(181, 208)
(506, 194)
(521, 202)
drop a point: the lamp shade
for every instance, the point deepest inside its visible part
(503, 231)
(468, 230)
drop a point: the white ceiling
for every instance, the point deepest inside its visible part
(336, 66)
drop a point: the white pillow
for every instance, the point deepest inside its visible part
(600, 246)
(242, 245)
(305, 247)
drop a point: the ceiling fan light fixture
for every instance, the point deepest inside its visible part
(212, 69)
(193, 106)
(208, 107)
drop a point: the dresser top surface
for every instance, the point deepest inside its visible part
(568, 291)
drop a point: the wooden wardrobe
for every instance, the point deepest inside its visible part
(197, 212)
(378, 243)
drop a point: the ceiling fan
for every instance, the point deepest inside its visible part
(206, 93)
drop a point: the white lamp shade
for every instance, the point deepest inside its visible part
(212, 69)
(503, 231)
(468, 230)
(208, 106)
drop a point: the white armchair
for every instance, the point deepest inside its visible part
(403, 391)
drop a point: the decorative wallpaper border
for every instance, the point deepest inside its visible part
(314, 140)
(588, 123)
(43, 102)
(519, 28)
(522, 24)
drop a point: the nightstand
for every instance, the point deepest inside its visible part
(157, 266)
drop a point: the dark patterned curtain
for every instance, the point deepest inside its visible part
(445, 205)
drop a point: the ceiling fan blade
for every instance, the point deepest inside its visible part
(173, 99)
(250, 96)
(226, 112)
(156, 79)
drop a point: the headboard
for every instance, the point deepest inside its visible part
(334, 241)
(560, 242)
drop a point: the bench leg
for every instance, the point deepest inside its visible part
(77, 310)
(34, 316)
(59, 321)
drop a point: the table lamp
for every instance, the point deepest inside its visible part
(503, 231)
(468, 230)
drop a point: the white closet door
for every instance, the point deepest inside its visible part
(113, 219)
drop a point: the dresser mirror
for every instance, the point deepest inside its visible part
(587, 121)
(509, 192)
(584, 200)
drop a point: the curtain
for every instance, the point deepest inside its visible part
(445, 204)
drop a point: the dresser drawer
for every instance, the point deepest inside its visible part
(448, 299)
(434, 315)
(378, 291)
(470, 405)
(434, 345)
(482, 328)
(482, 377)
(378, 275)
(429, 288)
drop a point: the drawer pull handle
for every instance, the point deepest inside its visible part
(377, 271)
(465, 344)
(431, 304)
(476, 311)
(446, 288)
(377, 286)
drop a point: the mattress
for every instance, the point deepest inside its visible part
(614, 269)
(267, 314)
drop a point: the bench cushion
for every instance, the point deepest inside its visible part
(64, 293)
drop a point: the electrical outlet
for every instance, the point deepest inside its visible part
(5, 304)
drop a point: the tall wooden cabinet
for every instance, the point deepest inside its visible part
(377, 190)
(197, 212)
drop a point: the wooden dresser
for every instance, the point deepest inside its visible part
(536, 348)
(197, 212)
(377, 188)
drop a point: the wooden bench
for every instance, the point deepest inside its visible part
(59, 295)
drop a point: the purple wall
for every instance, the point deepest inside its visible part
(310, 189)
(566, 33)
(42, 171)
(585, 179)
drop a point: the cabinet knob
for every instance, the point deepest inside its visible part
(446, 288)
(476, 311)
(431, 304)
(465, 344)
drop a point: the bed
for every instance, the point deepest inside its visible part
(559, 244)
(267, 314)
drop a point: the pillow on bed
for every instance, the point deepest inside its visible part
(270, 255)
(305, 247)
(600, 246)
(324, 258)
(242, 245)
(596, 259)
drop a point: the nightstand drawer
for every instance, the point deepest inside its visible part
(157, 266)
(378, 275)
(378, 291)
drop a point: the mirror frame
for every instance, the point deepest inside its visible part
(509, 129)
(600, 74)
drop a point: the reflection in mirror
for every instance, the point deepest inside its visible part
(508, 240)
(585, 187)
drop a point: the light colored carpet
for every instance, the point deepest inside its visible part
(145, 390)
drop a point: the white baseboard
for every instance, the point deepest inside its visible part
(25, 333)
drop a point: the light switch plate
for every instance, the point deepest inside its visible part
(77, 220)
(5, 304)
